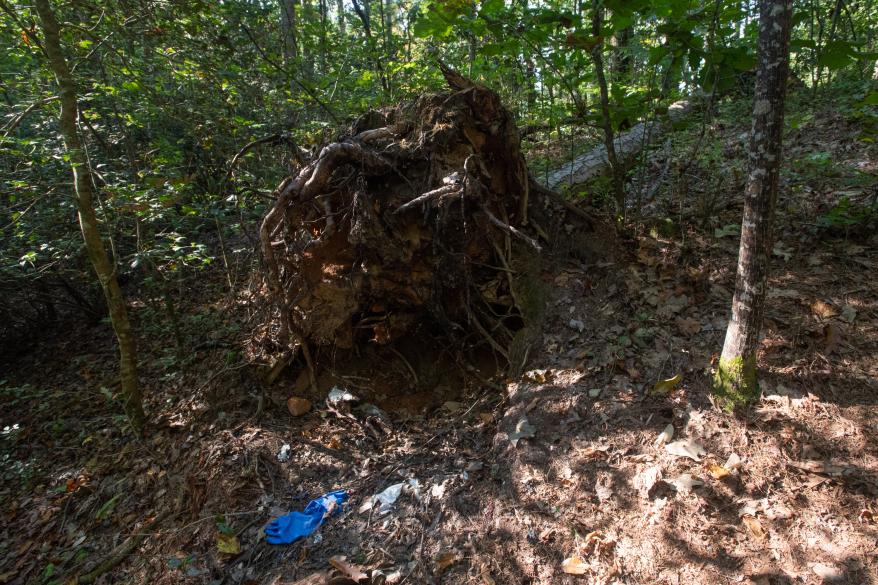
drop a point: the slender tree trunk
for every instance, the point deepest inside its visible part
(361, 7)
(306, 15)
(735, 382)
(288, 31)
(324, 19)
(836, 12)
(342, 24)
(622, 60)
(609, 136)
(88, 222)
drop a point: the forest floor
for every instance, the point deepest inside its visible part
(785, 493)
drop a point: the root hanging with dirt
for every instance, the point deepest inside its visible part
(424, 214)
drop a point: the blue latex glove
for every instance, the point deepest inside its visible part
(296, 525)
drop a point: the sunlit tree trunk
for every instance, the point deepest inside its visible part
(735, 382)
(88, 222)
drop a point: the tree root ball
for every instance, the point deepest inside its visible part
(422, 214)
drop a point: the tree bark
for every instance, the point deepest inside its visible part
(94, 245)
(735, 382)
(342, 24)
(627, 146)
(598, 58)
(288, 31)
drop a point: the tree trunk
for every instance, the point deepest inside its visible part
(88, 222)
(365, 13)
(288, 31)
(735, 382)
(627, 146)
(342, 24)
(598, 58)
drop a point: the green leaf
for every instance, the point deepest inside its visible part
(108, 508)
(871, 99)
(656, 54)
(492, 7)
(836, 55)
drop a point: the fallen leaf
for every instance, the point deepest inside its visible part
(445, 560)
(823, 309)
(688, 326)
(298, 406)
(350, 571)
(665, 386)
(782, 251)
(595, 452)
(674, 305)
(523, 430)
(485, 574)
(685, 482)
(717, 471)
(539, 376)
(686, 448)
(600, 542)
(827, 572)
(228, 544)
(733, 229)
(646, 480)
(574, 566)
(754, 526)
(665, 436)
(733, 462)
(848, 314)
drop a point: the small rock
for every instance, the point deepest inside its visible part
(284, 454)
(576, 324)
(298, 406)
(338, 395)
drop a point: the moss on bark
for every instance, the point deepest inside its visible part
(735, 382)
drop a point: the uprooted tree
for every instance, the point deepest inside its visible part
(422, 214)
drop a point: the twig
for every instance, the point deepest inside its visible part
(13, 124)
(420, 199)
(272, 140)
(509, 229)
(407, 364)
(121, 552)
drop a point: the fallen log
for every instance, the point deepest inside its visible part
(595, 162)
